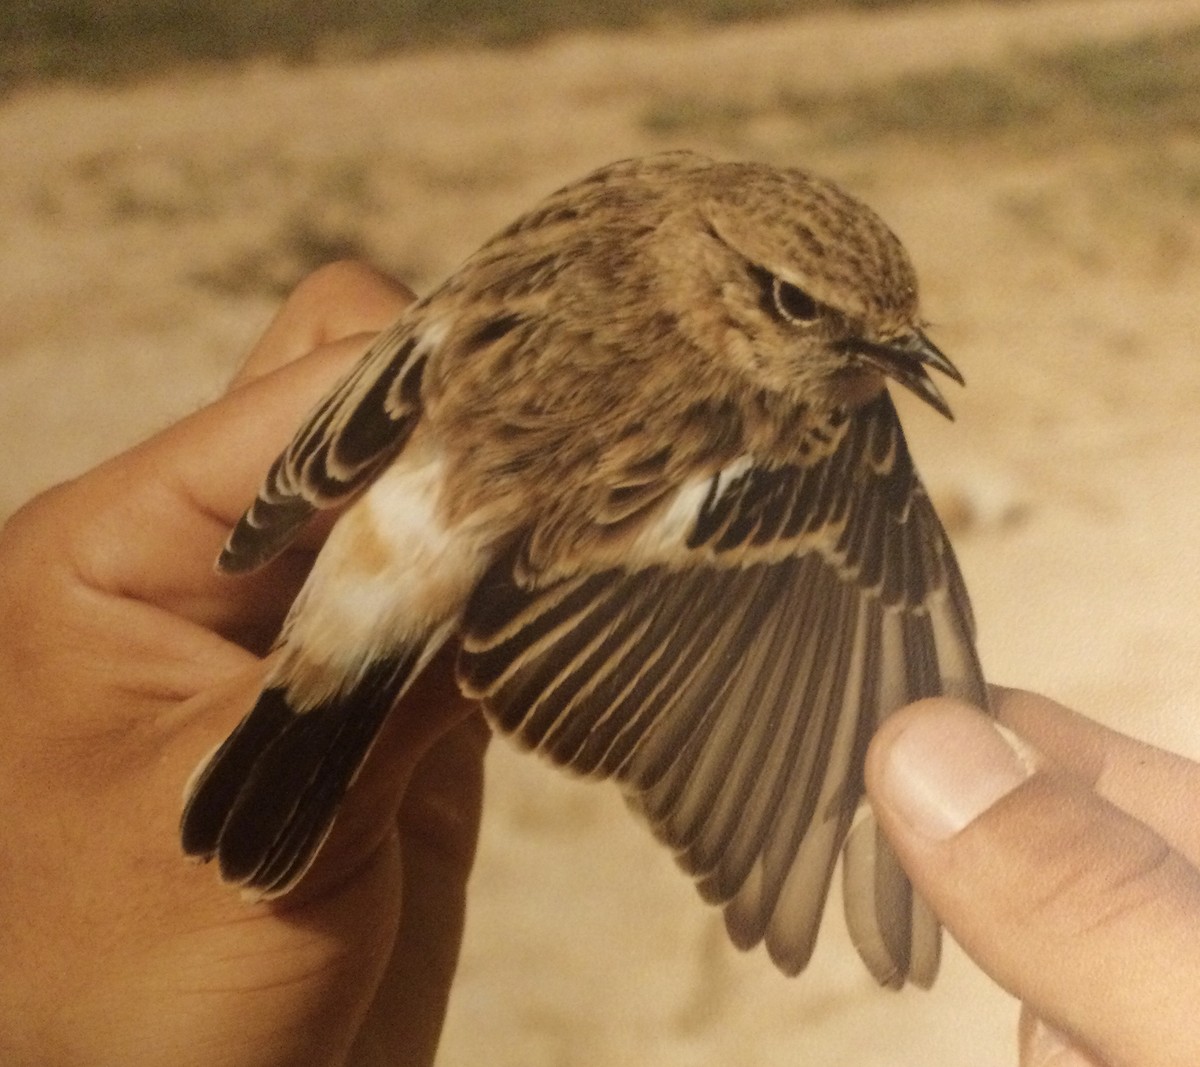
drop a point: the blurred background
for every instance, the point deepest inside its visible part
(172, 169)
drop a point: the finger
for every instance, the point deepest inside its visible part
(336, 302)
(1040, 1045)
(148, 525)
(439, 828)
(1067, 901)
(1159, 788)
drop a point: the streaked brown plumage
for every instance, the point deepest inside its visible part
(638, 455)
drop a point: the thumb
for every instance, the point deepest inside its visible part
(1071, 904)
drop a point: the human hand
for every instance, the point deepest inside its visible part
(1068, 871)
(125, 658)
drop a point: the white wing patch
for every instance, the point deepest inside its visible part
(431, 337)
(665, 539)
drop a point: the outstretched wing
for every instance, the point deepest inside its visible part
(732, 691)
(346, 440)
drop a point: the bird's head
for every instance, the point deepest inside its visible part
(814, 294)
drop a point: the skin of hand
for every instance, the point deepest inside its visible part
(1065, 859)
(125, 658)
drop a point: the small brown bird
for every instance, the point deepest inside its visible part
(637, 456)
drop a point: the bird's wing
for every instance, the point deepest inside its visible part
(345, 441)
(733, 691)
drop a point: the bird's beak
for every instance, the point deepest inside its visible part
(905, 359)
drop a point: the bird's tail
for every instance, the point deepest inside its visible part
(263, 803)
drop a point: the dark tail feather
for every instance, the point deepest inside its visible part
(266, 799)
(215, 786)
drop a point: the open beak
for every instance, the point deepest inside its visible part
(905, 361)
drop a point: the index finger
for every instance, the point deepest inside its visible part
(1156, 787)
(1067, 901)
(333, 303)
(149, 523)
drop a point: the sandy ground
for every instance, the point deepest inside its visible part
(146, 230)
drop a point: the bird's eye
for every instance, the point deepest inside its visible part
(792, 303)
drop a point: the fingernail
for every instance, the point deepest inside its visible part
(948, 767)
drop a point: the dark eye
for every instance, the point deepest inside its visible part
(792, 303)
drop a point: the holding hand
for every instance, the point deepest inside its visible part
(125, 657)
(1068, 871)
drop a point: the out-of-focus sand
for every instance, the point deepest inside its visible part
(1062, 283)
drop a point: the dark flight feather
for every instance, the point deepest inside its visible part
(267, 798)
(733, 699)
(344, 443)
